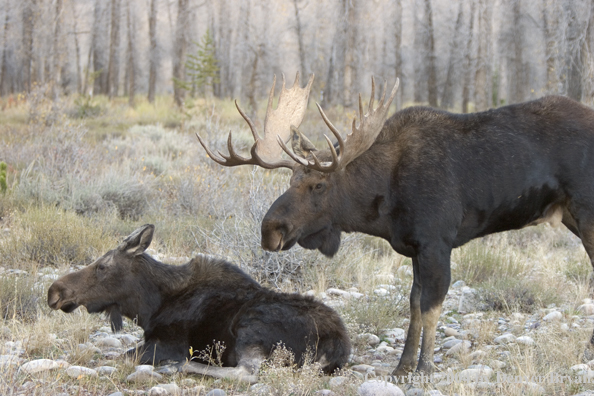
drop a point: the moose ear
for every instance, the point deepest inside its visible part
(300, 144)
(137, 242)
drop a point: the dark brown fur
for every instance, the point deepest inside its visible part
(434, 180)
(194, 304)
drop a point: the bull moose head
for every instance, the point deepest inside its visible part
(317, 206)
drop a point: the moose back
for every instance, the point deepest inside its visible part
(426, 181)
(196, 304)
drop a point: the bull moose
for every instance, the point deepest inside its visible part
(426, 181)
(194, 304)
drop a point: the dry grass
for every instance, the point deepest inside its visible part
(83, 174)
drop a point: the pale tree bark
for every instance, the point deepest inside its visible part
(113, 70)
(98, 46)
(27, 43)
(335, 80)
(430, 51)
(4, 66)
(131, 66)
(418, 59)
(153, 55)
(468, 61)
(76, 47)
(517, 70)
(351, 64)
(57, 50)
(575, 35)
(447, 97)
(398, 51)
(298, 29)
(482, 78)
(225, 87)
(179, 50)
(550, 27)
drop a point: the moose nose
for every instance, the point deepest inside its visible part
(54, 296)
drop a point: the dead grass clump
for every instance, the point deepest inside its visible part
(19, 297)
(51, 236)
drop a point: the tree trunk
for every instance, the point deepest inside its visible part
(98, 47)
(298, 29)
(468, 61)
(550, 26)
(430, 50)
(76, 48)
(420, 66)
(153, 55)
(351, 62)
(179, 50)
(113, 69)
(517, 75)
(57, 50)
(28, 27)
(447, 97)
(131, 67)
(398, 51)
(574, 52)
(482, 78)
(4, 67)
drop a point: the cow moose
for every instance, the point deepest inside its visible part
(194, 304)
(426, 181)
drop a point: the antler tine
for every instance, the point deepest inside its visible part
(372, 98)
(295, 158)
(212, 155)
(332, 129)
(248, 120)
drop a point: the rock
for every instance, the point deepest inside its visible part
(458, 284)
(363, 368)
(261, 389)
(580, 367)
(108, 342)
(497, 364)
(8, 361)
(36, 366)
(381, 292)
(532, 387)
(325, 392)
(586, 309)
(338, 293)
(336, 382)
(165, 389)
(553, 316)
(116, 394)
(379, 388)
(167, 370)
(477, 355)
(80, 372)
(415, 392)
(525, 340)
(449, 344)
(396, 333)
(462, 347)
(143, 376)
(384, 349)
(370, 339)
(128, 339)
(505, 339)
(106, 370)
(449, 332)
(469, 300)
(217, 392)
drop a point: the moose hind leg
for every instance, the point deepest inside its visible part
(409, 355)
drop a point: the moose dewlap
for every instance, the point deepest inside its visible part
(191, 305)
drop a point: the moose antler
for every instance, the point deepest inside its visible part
(359, 140)
(265, 152)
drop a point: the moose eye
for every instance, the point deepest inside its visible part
(101, 267)
(319, 186)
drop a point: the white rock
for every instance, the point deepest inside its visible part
(396, 333)
(144, 376)
(80, 371)
(449, 332)
(338, 293)
(39, 365)
(580, 367)
(108, 342)
(157, 391)
(370, 339)
(336, 382)
(451, 343)
(384, 349)
(505, 339)
(363, 368)
(8, 361)
(460, 348)
(106, 370)
(379, 388)
(128, 339)
(356, 295)
(525, 340)
(553, 316)
(498, 364)
(381, 292)
(170, 389)
(475, 374)
(586, 309)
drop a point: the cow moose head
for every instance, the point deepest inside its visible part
(319, 203)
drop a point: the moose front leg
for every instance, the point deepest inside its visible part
(435, 278)
(411, 345)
